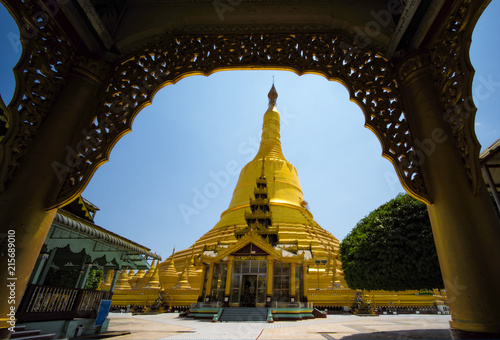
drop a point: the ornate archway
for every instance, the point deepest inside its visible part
(395, 95)
(369, 77)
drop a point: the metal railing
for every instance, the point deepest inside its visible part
(42, 303)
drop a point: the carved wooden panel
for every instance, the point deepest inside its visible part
(453, 73)
(367, 74)
(40, 76)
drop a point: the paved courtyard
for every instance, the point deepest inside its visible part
(170, 326)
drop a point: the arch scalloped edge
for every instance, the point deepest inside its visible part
(101, 154)
(407, 185)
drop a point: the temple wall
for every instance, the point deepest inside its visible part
(345, 297)
(148, 297)
(137, 297)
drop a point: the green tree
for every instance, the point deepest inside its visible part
(392, 249)
(93, 279)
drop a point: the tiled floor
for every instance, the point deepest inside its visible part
(170, 326)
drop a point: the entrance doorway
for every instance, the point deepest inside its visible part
(248, 291)
(248, 284)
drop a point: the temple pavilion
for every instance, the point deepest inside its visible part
(265, 251)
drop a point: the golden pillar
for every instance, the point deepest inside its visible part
(292, 281)
(465, 225)
(35, 184)
(109, 277)
(209, 281)
(269, 286)
(203, 273)
(304, 281)
(228, 280)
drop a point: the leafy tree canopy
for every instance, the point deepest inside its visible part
(94, 278)
(392, 249)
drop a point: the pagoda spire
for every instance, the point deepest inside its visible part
(282, 177)
(154, 281)
(270, 144)
(272, 95)
(183, 282)
(169, 276)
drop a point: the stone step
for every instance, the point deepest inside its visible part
(35, 337)
(244, 314)
(20, 333)
(24, 333)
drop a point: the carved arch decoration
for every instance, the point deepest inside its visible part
(368, 75)
(40, 76)
(453, 74)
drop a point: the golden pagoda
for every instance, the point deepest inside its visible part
(267, 238)
(266, 248)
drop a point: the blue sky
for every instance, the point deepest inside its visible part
(182, 145)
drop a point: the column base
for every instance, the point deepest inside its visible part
(459, 334)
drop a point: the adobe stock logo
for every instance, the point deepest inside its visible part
(219, 180)
(223, 6)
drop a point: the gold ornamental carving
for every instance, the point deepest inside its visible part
(412, 65)
(91, 68)
(246, 258)
(40, 76)
(453, 74)
(368, 75)
(5, 119)
(48, 57)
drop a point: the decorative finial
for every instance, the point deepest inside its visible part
(272, 95)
